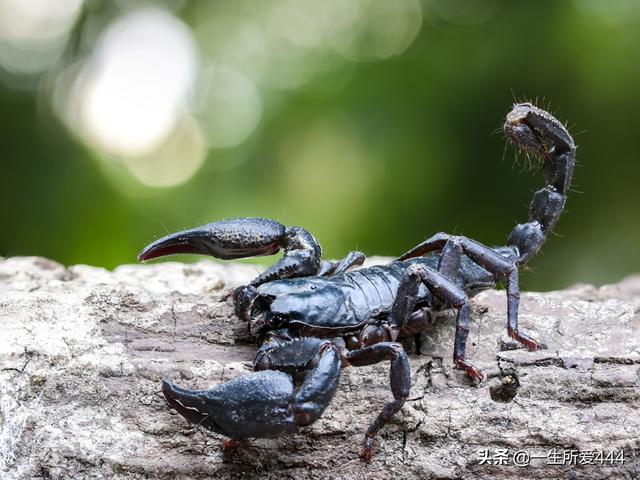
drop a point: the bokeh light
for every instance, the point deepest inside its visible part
(229, 106)
(612, 12)
(176, 160)
(234, 41)
(324, 163)
(371, 30)
(136, 84)
(33, 34)
(149, 75)
(367, 121)
(464, 12)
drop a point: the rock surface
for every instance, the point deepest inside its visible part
(83, 350)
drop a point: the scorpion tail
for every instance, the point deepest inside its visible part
(537, 131)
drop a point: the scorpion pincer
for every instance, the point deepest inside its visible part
(315, 317)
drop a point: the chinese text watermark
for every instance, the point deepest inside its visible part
(554, 456)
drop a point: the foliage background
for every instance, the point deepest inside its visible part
(374, 126)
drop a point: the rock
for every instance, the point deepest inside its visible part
(83, 350)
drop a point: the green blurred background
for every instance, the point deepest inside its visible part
(372, 123)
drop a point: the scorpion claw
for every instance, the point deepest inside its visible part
(226, 239)
(243, 238)
(256, 405)
(185, 402)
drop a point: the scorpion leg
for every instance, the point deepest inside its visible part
(266, 404)
(444, 290)
(399, 377)
(402, 314)
(330, 268)
(501, 266)
(513, 303)
(297, 355)
(403, 306)
(419, 320)
(486, 257)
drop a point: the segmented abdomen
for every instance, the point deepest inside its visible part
(373, 290)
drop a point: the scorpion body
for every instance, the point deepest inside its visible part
(347, 302)
(314, 317)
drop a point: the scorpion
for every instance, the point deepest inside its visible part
(314, 317)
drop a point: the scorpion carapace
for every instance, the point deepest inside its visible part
(314, 317)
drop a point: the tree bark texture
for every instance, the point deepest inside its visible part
(83, 351)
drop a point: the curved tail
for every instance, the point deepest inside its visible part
(537, 131)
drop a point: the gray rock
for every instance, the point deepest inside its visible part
(83, 350)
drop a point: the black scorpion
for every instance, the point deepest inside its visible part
(315, 317)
